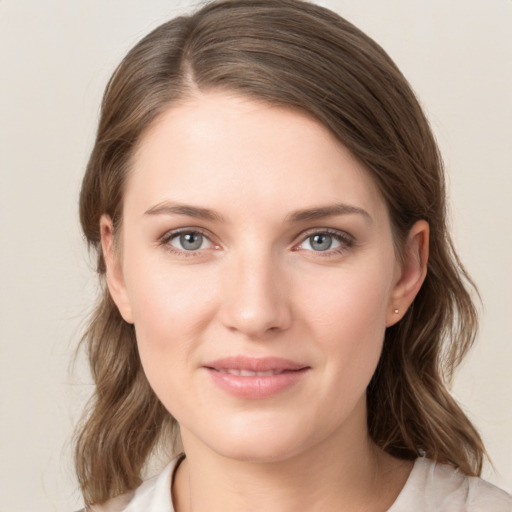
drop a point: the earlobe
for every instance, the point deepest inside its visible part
(114, 275)
(411, 273)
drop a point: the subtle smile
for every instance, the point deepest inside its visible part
(254, 378)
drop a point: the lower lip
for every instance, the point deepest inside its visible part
(258, 386)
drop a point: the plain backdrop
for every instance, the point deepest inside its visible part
(55, 59)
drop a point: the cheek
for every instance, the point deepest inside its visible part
(171, 307)
(348, 321)
(351, 300)
(169, 317)
(162, 294)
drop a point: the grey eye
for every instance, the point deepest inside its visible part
(321, 242)
(191, 241)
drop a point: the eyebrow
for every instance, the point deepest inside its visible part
(308, 214)
(169, 208)
(327, 211)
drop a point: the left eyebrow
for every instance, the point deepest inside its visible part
(327, 211)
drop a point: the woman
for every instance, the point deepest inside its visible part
(281, 296)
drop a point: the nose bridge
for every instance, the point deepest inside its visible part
(255, 297)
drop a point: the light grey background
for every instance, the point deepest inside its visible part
(55, 58)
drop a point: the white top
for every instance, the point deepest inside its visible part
(431, 487)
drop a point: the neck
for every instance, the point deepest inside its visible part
(355, 476)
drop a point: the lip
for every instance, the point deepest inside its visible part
(253, 378)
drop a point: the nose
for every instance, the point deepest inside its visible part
(256, 299)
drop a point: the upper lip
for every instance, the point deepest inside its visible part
(255, 364)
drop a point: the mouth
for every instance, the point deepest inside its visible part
(255, 378)
(263, 365)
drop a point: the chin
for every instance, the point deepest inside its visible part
(257, 439)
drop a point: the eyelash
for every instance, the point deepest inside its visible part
(346, 242)
(170, 235)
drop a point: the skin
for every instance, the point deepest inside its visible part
(259, 286)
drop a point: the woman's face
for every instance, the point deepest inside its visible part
(257, 265)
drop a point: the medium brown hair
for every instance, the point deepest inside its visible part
(299, 55)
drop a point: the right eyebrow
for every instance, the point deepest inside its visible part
(171, 208)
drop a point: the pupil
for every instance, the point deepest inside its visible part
(321, 242)
(191, 241)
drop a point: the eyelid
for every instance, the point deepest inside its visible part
(173, 233)
(346, 240)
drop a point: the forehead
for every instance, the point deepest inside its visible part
(219, 149)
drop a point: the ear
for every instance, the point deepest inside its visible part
(115, 279)
(410, 273)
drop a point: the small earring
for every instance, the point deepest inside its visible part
(396, 311)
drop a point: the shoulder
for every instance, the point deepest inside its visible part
(441, 488)
(117, 504)
(152, 495)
